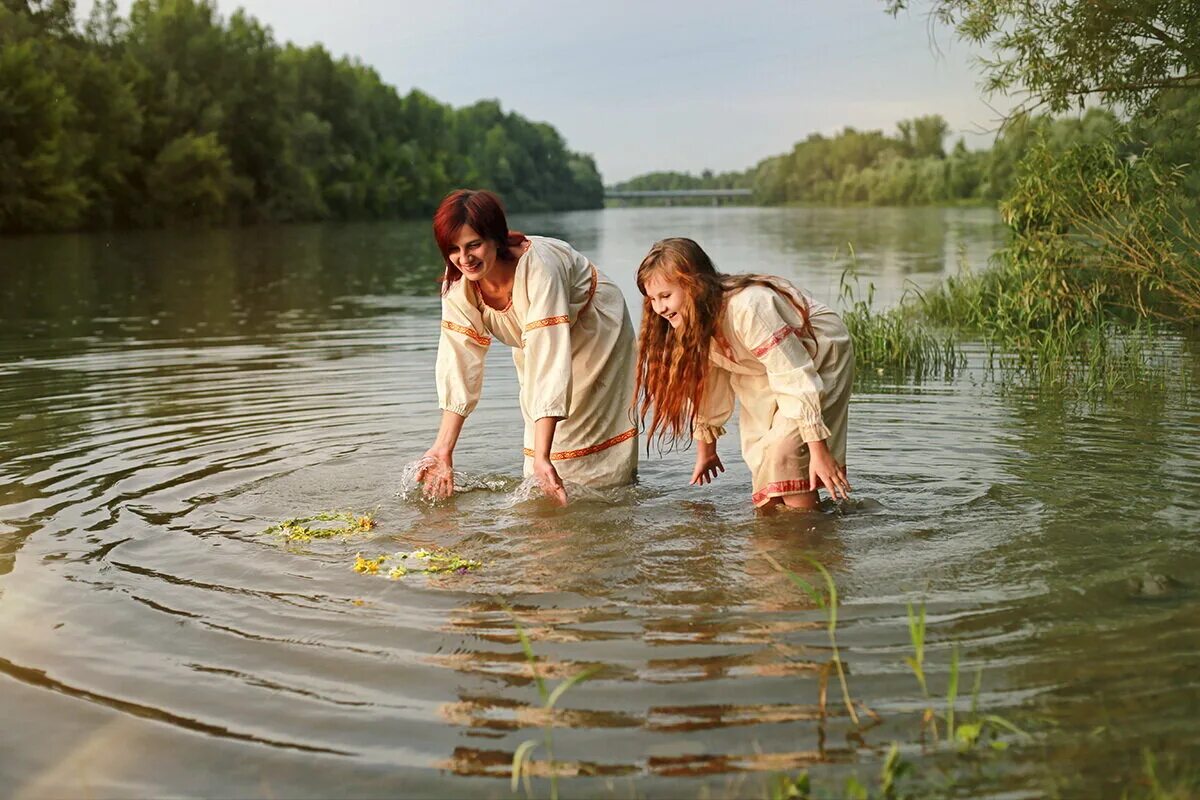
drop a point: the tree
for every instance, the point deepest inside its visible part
(1065, 52)
(38, 185)
(191, 180)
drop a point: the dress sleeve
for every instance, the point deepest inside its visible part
(461, 350)
(770, 327)
(547, 334)
(716, 406)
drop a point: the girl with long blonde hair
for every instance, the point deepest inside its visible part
(708, 338)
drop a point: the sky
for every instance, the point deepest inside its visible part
(659, 84)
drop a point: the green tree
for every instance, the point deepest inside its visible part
(1065, 52)
(39, 189)
(191, 180)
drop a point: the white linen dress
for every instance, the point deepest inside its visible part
(573, 346)
(790, 390)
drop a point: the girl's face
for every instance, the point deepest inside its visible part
(667, 299)
(473, 255)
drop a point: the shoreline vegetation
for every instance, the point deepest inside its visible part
(174, 116)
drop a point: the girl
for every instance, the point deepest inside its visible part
(571, 338)
(708, 338)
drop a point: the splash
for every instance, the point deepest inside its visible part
(397, 565)
(529, 490)
(413, 490)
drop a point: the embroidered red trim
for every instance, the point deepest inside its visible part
(470, 333)
(591, 292)
(777, 489)
(547, 322)
(774, 339)
(562, 455)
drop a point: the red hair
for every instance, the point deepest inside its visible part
(484, 212)
(672, 365)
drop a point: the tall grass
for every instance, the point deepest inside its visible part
(827, 601)
(963, 733)
(523, 755)
(1101, 260)
(893, 341)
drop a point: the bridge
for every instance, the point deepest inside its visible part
(669, 196)
(675, 193)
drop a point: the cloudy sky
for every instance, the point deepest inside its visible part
(648, 85)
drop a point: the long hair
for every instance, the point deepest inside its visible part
(672, 363)
(484, 212)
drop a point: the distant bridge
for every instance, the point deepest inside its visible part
(674, 194)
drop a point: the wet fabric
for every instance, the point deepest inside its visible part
(573, 347)
(790, 389)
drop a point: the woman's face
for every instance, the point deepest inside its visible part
(473, 255)
(667, 299)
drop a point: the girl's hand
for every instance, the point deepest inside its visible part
(823, 470)
(547, 478)
(708, 463)
(437, 473)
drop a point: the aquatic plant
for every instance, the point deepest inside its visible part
(1179, 785)
(299, 529)
(828, 602)
(963, 735)
(397, 565)
(523, 755)
(893, 340)
(1101, 270)
(800, 787)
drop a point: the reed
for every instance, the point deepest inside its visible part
(1178, 784)
(828, 602)
(522, 756)
(1102, 262)
(893, 342)
(964, 735)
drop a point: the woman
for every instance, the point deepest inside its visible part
(571, 339)
(708, 338)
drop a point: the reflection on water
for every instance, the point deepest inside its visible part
(167, 397)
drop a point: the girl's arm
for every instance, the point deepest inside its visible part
(437, 473)
(797, 385)
(823, 470)
(543, 467)
(716, 406)
(707, 463)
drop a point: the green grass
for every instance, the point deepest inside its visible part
(894, 342)
(523, 755)
(964, 734)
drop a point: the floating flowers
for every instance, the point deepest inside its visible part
(298, 529)
(397, 565)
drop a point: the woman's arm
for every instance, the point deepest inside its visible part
(437, 473)
(543, 467)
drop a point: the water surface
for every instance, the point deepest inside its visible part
(165, 397)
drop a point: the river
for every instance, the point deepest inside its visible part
(165, 397)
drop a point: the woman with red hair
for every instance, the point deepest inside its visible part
(571, 338)
(708, 338)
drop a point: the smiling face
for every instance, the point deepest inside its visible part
(473, 255)
(667, 299)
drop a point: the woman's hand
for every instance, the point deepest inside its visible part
(437, 473)
(547, 478)
(707, 463)
(823, 470)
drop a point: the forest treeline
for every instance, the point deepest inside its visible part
(175, 115)
(912, 166)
